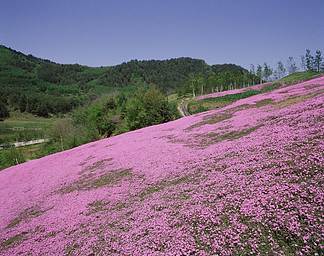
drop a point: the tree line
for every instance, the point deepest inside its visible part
(199, 84)
(308, 63)
(209, 82)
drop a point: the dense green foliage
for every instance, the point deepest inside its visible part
(167, 75)
(118, 113)
(164, 74)
(42, 87)
(4, 112)
(10, 157)
(147, 107)
(109, 115)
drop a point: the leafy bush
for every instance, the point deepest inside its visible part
(4, 112)
(10, 157)
(147, 107)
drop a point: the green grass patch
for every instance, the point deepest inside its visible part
(213, 138)
(14, 239)
(300, 76)
(24, 127)
(195, 107)
(174, 99)
(32, 212)
(212, 119)
(297, 99)
(166, 183)
(270, 87)
(262, 103)
(93, 181)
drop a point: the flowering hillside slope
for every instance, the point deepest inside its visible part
(243, 179)
(223, 93)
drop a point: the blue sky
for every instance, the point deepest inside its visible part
(105, 32)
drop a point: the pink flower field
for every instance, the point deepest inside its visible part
(246, 179)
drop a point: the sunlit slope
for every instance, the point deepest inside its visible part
(238, 180)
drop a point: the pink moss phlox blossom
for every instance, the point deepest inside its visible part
(244, 179)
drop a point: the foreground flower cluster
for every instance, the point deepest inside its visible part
(246, 179)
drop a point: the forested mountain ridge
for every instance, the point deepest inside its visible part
(165, 74)
(44, 88)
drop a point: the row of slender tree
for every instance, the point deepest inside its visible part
(202, 83)
(199, 84)
(308, 63)
(313, 63)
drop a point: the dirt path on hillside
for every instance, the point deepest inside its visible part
(182, 107)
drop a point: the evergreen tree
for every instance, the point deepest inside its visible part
(4, 112)
(281, 71)
(303, 63)
(22, 103)
(318, 61)
(259, 72)
(291, 66)
(309, 60)
(252, 73)
(267, 71)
